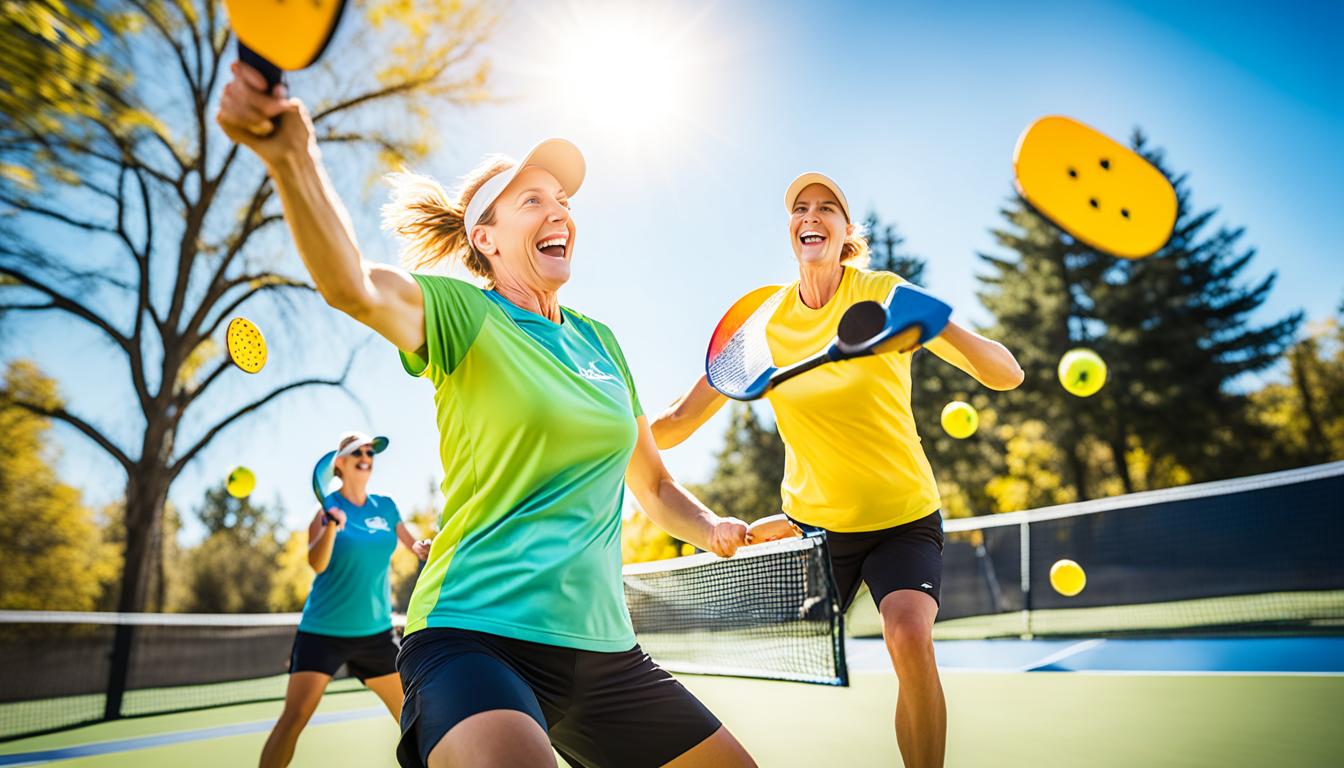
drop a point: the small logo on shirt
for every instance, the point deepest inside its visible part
(591, 373)
(376, 524)
(926, 585)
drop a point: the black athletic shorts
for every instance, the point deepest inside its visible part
(908, 556)
(599, 709)
(366, 657)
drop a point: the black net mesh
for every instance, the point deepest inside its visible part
(769, 612)
(1256, 554)
(60, 670)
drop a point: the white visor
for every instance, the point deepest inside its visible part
(557, 156)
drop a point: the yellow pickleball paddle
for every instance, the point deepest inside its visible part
(247, 347)
(1094, 188)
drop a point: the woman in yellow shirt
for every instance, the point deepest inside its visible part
(853, 463)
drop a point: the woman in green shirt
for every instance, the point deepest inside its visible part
(517, 639)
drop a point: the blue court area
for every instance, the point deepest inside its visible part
(1197, 701)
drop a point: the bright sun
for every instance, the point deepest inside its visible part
(637, 72)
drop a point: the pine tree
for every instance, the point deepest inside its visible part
(748, 470)
(1174, 329)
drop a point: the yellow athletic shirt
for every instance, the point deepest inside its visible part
(852, 457)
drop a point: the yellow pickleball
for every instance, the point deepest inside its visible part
(960, 419)
(1067, 578)
(1082, 372)
(241, 482)
(1094, 188)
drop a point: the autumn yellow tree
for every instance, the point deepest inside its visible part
(126, 213)
(52, 553)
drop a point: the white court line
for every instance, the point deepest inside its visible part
(1064, 653)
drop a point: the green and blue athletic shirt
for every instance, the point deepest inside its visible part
(536, 427)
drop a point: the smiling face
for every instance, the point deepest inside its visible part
(358, 464)
(817, 226)
(531, 239)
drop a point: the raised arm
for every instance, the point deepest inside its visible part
(687, 414)
(985, 360)
(672, 507)
(385, 298)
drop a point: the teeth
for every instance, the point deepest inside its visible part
(811, 237)
(560, 241)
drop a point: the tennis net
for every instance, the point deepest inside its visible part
(768, 612)
(64, 669)
(1258, 554)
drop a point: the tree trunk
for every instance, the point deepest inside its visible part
(1317, 445)
(1118, 449)
(146, 496)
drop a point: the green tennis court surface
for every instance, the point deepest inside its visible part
(995, 718)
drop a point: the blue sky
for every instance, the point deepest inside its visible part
(914, 108)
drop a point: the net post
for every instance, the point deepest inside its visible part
(118, 670)
(1025, 538)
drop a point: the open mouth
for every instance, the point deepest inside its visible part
(364, 466)
(811, 237)
(554, 246)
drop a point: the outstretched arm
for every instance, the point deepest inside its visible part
(985, 360)
(382, 297)
(682, 418)
(672, 507)
(419, 546)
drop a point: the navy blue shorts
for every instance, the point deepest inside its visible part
(366, 657)
(599, 709)
(908, 556)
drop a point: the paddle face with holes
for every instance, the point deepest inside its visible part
(247, 347)
(277, 36)
(1093, 188)
(739, 364)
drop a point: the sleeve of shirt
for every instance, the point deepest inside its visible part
(880, 284)
(614, 349)
(393, 511)
(454, 312)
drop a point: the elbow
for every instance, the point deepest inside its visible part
(1011, 379)
(349, 300)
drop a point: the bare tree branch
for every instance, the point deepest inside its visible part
(68, 304)
(200, 445)
(218, 285)
(60, 414)
(27, 207)
(272, 282)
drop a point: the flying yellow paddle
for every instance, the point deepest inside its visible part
(1094, 188)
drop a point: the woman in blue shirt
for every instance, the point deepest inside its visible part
(348, 616)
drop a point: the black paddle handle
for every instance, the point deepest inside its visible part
(273, 74)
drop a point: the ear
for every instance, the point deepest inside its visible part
(849, 230)
(482, 241)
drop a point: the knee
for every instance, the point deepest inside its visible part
(907, 634)
(292, 720)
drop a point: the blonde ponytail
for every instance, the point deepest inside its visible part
(430, 222)
(854, 251)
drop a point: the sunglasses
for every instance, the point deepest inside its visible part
(364, 453)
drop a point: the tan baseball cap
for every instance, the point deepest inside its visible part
(559, 157)
(808, 179)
